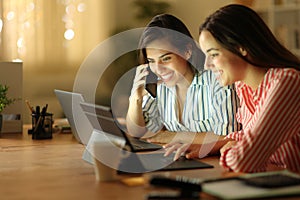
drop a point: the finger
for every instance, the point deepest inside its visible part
(192, 154)
(142, 68)
(140, 76)
(170, 144)
(141, 71)
(171, 149)
(138, 84)
(153, 140)
(181, 150)
(225, 147)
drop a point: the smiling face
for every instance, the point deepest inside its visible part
(228, 67)
(168, 63)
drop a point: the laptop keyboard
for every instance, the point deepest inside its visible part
(141, 144)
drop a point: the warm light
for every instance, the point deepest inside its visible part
(17, 60)
(20, 42)
(10, 15)
(30, 7)
(69, 24)
(69, 34)
(65, 18)
(70, 9)
(81, 7)
(1, 25)
(26, 24)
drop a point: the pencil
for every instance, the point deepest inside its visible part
(29, 106)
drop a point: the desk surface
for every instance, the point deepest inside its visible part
(54, 169)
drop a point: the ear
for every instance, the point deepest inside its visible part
(188, 52)
(243, 51)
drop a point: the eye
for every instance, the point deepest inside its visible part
(166, 59)
(214, 55)
(150, 61)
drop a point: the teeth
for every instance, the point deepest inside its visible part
(166, 76)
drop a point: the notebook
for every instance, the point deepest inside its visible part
(266, 186)
(102, 119)
(80, 125)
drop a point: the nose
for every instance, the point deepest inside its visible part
(158, 67)
(208, 63)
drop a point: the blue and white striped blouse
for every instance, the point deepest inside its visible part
(208, 107)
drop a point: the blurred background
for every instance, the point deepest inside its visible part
(52, 38)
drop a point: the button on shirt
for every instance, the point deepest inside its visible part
(208, 107)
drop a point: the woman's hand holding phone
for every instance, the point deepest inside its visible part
(138, 90)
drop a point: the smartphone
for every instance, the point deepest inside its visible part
(151, 83)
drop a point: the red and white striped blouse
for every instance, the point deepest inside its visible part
(270, 117)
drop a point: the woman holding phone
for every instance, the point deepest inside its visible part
(188, 99)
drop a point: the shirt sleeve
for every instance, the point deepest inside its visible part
(151, 114)
(225, 104)
(275, 121)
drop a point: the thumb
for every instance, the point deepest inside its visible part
(192, 154)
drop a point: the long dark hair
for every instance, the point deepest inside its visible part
(235, 26)
(170, 28)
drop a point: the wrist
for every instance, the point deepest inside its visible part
(135, 99)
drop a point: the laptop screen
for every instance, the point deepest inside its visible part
(70, 103)
(102, 119)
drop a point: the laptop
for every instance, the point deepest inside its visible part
(102, 119)
(80, 125)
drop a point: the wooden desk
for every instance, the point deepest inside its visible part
(53, 169)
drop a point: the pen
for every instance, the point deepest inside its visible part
(29, 106)
(44, 109)
(38, 124)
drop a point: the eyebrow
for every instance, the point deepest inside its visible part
(165, 54)
(169, 53)
(211, 49)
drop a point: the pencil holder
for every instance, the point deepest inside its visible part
(41, 126)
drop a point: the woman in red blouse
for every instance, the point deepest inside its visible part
(241, 49)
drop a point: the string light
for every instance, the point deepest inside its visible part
(70, 11)
(22, 19)
(69, 34)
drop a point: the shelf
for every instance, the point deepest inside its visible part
(283, 18)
